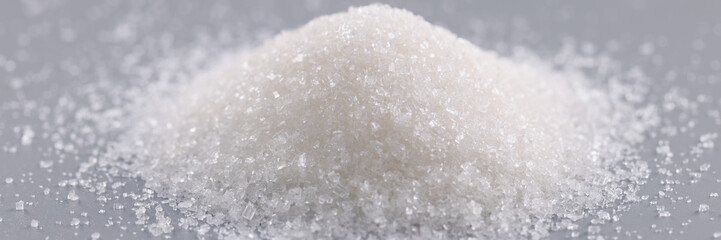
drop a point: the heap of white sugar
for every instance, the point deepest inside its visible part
(375, 123)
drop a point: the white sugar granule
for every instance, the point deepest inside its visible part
(72, 196)
(702, 208)
(75, 222)
(34, 223)
(20, 205)
(375, 123)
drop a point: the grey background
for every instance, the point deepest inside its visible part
(686, 36)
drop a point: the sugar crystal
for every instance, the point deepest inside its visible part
(20, 205)
(702, 208)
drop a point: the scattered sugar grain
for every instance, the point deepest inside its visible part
(75, 222)
(118, 206)
(72, 196)
(46, 164)
(702, 208)
(27, 136)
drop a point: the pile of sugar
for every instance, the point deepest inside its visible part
(375, 123)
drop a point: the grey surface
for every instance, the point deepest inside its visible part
(686, 36)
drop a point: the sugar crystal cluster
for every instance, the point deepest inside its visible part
(376, 123)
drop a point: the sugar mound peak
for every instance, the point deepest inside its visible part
(374, 122)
